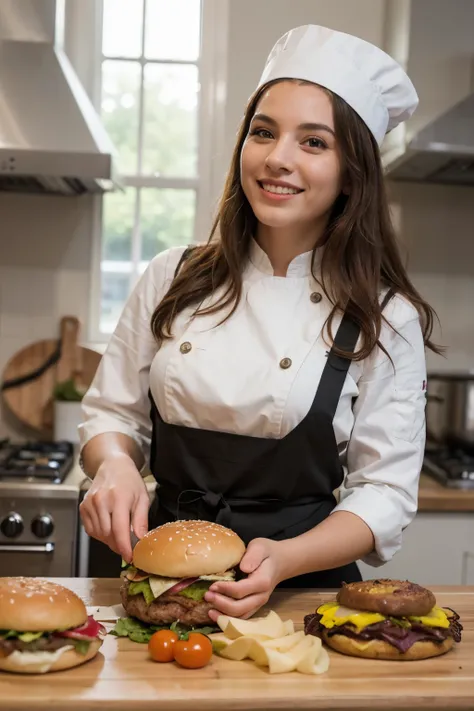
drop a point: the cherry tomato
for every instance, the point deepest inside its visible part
(161, 644)
(194, 652)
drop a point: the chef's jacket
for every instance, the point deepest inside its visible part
(257, 374)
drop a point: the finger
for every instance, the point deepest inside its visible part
(95, 530)
(140, 516)
(103, 516)
(255, 583)
(111, 544)
(92, 533)
(87, 522)
(254, 556)
(238, 608)
(121, 531)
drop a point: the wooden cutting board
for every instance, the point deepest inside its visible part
(30, 376)
(123, 677)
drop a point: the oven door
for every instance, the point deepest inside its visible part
(32, 560)
(38, 531)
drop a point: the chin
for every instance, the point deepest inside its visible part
(275, 218)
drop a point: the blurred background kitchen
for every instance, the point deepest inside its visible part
(148, 94)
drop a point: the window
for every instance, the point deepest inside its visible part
(159, 102)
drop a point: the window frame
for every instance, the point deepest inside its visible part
(211, 131)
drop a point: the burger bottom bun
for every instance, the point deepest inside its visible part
(378, 649)
(69, 659)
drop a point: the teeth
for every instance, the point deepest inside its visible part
(279, 190)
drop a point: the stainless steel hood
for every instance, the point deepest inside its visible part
(51, 138)
(442, 152)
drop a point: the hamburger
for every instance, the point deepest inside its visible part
(385, 619)
(173, 567)
(44, 627)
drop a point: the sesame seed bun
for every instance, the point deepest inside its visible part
(399, 598)
(378, 649)
(182, 549)
(35, 605)
(70, 658)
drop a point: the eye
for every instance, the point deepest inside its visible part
(261, 133)
(314, 142)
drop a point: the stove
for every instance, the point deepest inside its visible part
(47, 462)
(453, 467)
(38, 509)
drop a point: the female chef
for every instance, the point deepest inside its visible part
(274, 377)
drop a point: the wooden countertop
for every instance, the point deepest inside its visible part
(434, 497)
(122, 677)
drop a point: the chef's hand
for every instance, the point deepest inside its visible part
(116, 499)
(244, 597)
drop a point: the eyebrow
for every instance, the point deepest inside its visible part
(302, 126)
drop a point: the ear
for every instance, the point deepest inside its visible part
(346, 190)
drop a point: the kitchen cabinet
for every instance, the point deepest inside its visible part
(438, 549)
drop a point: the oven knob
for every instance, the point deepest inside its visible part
(12, 525)
(42, 526)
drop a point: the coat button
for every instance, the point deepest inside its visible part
(285, 363)
(185, 347)
(316, 297)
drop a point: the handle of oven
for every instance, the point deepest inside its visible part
(47, 548)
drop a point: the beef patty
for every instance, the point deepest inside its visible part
(166, 609)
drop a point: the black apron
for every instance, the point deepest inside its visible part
(259, 487)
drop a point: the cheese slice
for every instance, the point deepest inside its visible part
(436, 618)
(228, 575)
(45, 660)
(334, 615)
(161, 585)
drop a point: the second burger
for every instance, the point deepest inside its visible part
(174, 566)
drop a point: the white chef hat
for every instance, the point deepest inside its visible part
(367, 78)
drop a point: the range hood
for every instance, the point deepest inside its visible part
(441, 152)
(51, 138)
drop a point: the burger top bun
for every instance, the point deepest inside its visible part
(399, 598)
(183, 549)
(34, 605)
(70, 658)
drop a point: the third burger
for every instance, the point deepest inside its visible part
(385, 619)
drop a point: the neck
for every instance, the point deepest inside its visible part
(283, 245)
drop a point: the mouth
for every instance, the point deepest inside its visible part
(278, 191)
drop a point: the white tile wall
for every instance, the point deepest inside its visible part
(45, 246)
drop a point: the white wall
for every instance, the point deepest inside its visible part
(45, 242)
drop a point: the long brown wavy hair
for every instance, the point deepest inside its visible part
(360, 256)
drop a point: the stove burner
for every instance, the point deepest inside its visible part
(47, 461)
(452, 467)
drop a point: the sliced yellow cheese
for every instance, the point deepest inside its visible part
(335, 615)
(436, 618)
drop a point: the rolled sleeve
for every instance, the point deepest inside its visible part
(385, 452)
(117, 400)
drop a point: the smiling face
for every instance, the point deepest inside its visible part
(290, 163)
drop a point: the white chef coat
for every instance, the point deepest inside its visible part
(230, 378)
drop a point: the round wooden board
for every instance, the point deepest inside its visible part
(32, 403)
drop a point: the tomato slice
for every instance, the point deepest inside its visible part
(194, 652)
(161, 646)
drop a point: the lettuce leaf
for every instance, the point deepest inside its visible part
(196, 591)
(135, 630)
(22, 636)
(143, 586)
(81, 646)
(141, 632)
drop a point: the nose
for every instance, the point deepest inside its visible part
(281, 158)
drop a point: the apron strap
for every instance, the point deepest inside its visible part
(335, 370)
